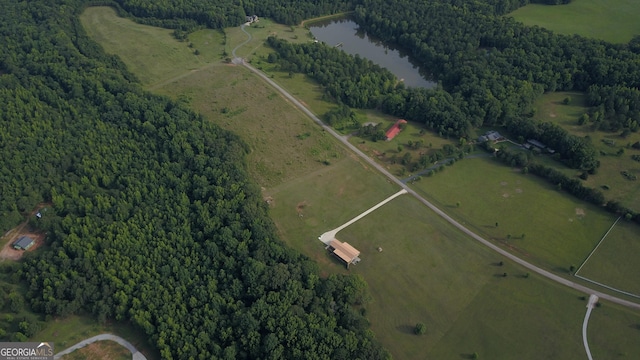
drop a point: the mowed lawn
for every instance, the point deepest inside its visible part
(608, 179)
(615, 21)
(616, 262)
(428, 272)
(559, 230)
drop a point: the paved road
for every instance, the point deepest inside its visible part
(462, 228)
(592, 302)
(136, 355)
(330, 235)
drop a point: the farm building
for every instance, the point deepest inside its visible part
(395, 129)
(23, 243)
(490, 136)
(344, 251)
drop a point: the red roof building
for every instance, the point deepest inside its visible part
(395, 129)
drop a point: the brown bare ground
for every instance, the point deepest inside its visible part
(8, 252)
(100, 350)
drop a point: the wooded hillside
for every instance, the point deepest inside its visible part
(153, 218)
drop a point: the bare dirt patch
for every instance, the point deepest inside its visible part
(301, 206)
(580, 212)
(518, 191)
(503, 183)
(9, 253)
(505, 195)
(105, 350)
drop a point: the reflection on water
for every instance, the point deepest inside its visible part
(345, 34)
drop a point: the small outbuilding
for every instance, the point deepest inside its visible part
(344, 251)
(395, 129)
(23, 243)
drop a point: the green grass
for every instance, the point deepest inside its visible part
(615, 262)
(559, 229)
(284, 143)
(627, 192)
(615, 21)
(431, 273)
(152, 53)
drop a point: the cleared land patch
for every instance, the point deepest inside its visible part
(615, 21)
(502, 204)
(284, 144)
(151, 53)
(104, 350)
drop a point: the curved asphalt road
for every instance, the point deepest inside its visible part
(462, 228)
(136, 355)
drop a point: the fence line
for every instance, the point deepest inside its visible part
(596, 248)
(608, 287)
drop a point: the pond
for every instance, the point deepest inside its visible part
(345, 34)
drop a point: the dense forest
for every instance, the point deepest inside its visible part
(152, 218)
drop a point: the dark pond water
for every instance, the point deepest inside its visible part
(345, 33)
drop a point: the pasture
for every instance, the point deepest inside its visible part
(284, 144)
(615, 262)
(610, 20)
(608, 178)
(151, 53)
(427, 272)
(521, 212)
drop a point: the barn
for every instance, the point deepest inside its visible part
(395, 129)
(23, 243)
(344, 252)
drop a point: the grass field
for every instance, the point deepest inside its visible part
(427, 271)
(615, 263)
(559, 230)
(152, 53)
(284, 143)
(430, 273)
(615, 21)
(627, 192)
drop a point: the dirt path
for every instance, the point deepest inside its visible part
(135, 354)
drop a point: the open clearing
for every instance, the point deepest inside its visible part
(615, 263)
(559, 230)
(284, 144)
(615, 21)
(428, 271)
